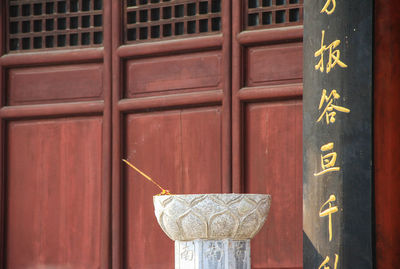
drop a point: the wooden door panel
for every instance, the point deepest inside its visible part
(181, 150)
(267, 122)
(54, 193)
(55, 84)
(274, 63)
(174, 73)
(273, 164)
(201, 151)
(171, 116)
(55, 134)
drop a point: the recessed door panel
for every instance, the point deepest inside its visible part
(54, 193)
(274, 64)
(181, 150)
(55, 84)
(273, 165)
(171, 73)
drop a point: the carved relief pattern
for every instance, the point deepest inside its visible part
(240, 251)
(211, 216)
(215, 251)
(186, 252)
(217, 254)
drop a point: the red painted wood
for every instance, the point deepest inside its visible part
(95, 107)
(2, 144)
(44, 83)
(105, 250)
(173, 73)
(387, 133)
(170, 46)
(271, 92)
(50, 84)
(2, 29)
(54, 193)
(181, 150)
(274, 64)
(266, 155)
(226, 141)
(273, 164)
(53, 57)
(237, 81)
(200, 81)
(172, 100)
(2, 193)
(208, 151)
(291, 33)
(117, 215)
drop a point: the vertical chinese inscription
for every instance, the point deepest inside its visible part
(329, 107)
(337, 134)
(328, 212)
(329, 3)
(333, 55)
(328, 160)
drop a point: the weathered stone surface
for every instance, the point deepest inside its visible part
(212, 254)
(211, 216)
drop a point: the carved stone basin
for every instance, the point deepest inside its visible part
(211, 216)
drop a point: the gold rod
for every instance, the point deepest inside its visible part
(147, 177)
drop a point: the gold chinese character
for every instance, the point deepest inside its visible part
(330, 107)
(325, 262)
(328, 161)
(328, 212)
(325, 8)
(334, 55)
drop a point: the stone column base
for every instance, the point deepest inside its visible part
(212, 254)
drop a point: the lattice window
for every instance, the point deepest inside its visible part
(147, 20)
(272, 13)
(43, 24)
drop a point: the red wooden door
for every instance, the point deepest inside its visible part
(55, 134)
(171, 116)
(267, 122)
(200, 100)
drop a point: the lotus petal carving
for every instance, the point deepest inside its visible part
(211, 216)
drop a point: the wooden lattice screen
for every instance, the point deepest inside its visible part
(41, 24)
(147, 20)
(262, 14)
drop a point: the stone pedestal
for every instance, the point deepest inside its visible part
(212, 231)
(212, 254)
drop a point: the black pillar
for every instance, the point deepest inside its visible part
(337, 134)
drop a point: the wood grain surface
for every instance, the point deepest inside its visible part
(54, 193)
(387, 133)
